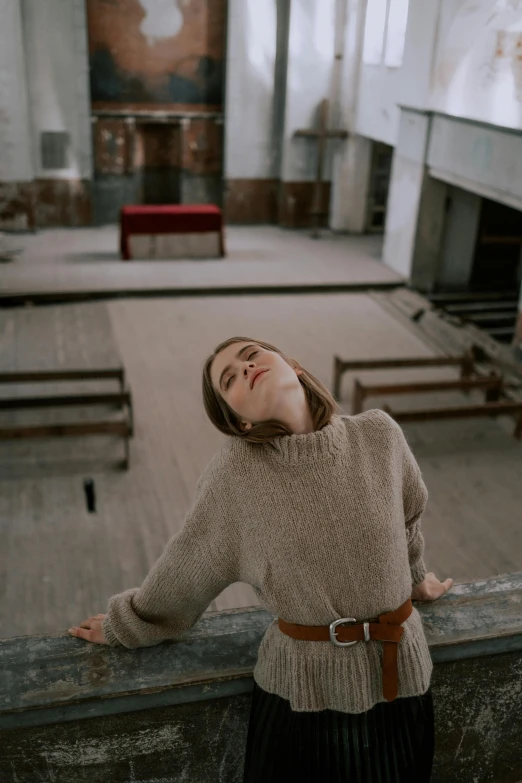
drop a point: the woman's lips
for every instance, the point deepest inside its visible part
(258, 375)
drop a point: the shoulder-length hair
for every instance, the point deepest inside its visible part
(321, 403)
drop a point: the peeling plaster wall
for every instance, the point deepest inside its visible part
(58, 81)
(15, 144)
(477, 72)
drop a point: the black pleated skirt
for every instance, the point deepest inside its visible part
(391, 743)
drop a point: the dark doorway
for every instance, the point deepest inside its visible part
(498, 252)
(490, 300)
(159, 153)
(382, 155)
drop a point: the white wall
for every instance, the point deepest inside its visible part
(421, 40)
(58, 80)
(381, 86)
(252, 129)
(478, 69)
(352, 158)
(251, 56)
(404, 196)
(378, 113)
(461, 57)
(484, 160)
(309, 80)
(15, 142)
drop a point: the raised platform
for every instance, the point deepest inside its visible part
(73, 265)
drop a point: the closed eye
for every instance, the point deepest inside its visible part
(227, 384)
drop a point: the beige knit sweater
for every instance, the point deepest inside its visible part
(323, 525)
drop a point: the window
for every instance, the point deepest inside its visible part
(54, 149)
(385, 32)
(396, 33)
(374, 31)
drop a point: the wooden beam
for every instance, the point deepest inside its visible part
(463, 412)
(491, 317)
(362, 390)
(331, 134)
(36, 376)
(490, 239)
(501, 331)
(472, 307)
(66, 430)
(388, 364)
(470, 296)
(71, 400)
(465, 362)
(429, 386)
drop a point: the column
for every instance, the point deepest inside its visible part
(309, 81)
(16, 167)
(416, 205)
(352, 158)
(249, 111)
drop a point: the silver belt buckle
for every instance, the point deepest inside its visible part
(344, 621)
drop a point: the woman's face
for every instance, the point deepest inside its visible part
(253, 381)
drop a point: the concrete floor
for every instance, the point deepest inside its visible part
(76, 260)
(59, 564)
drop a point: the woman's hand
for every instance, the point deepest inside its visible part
(430, 588)
(90, 630)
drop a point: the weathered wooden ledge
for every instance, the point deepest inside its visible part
(475, 638)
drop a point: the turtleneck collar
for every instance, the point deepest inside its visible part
(311, 445)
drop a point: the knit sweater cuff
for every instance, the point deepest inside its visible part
(110, 636)
(418, 572)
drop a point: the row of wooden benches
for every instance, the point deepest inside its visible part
(497, 401)
(121, 399)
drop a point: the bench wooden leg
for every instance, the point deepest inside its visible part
(518, 427)
(493, 395)
(467, 366)
(357, 398)
(337, 374)
(131, 418)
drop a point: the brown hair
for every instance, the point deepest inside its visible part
(321, 403)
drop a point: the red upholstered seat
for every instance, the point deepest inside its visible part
(168, 219)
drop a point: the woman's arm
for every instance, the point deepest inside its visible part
(425, 586)
(415, 498)
(197, 564)
(175, 593)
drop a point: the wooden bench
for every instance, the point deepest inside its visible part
(492, 387)
(466, 362)
(503, 408)
(122, 399)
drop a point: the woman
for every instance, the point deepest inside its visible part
(320, 513)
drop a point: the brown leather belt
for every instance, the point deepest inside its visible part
(386, 628)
